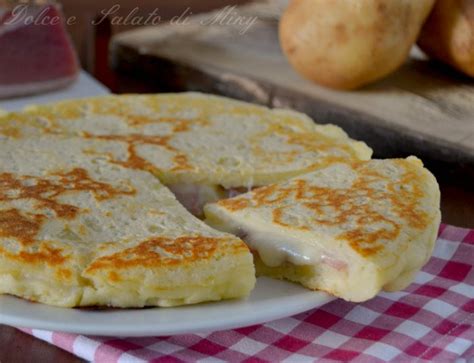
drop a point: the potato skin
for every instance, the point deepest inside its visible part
(345, 44)
(448, 34)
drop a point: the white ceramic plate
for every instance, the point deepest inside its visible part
(270, 300)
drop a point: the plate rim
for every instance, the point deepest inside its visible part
(233, 321)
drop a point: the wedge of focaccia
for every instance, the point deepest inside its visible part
(350, 229)
(202, 147)
(79, 229)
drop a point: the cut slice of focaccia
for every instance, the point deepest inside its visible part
(79, 230)
(350, 229)
(202, 147)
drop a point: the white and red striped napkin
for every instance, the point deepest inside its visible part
(432, 320)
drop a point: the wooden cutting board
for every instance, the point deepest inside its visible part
(423, 109)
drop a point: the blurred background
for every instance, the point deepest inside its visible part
(92, 29)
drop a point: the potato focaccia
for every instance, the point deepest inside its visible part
(202, 147)
(79, 230)
(350, 229)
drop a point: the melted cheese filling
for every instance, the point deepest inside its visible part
(275, 249)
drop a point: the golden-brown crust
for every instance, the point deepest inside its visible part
(13, 224)
(63, 274)
(369, 226)
(44, 192)
(135, 161)
(327, 148)
(164, 251)
(295, 133)
(122, 110)
(44, 254)
(179, 125)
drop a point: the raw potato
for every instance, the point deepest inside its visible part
(448, 34)
(346, 44)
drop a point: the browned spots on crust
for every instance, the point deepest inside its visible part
(135, 161)
(60, 111)
(44, 193)
(114, 276)
(326, 148)
(162, 251)
(45, 254)
(10, 131)
(403, 197)
(138, 120)
(234, 204)
(135, 139)
(357, 209)
(179, 125)
(277, 215)
(51, 256)
(135, 120)
(122, 110)
(64, 274)
(15, 225)
(366, 243)
(320, 143)
(294, 132)
(181, 163)
(271, 194)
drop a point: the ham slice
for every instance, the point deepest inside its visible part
(36, 54)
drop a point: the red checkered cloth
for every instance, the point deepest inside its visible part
(432, 320)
